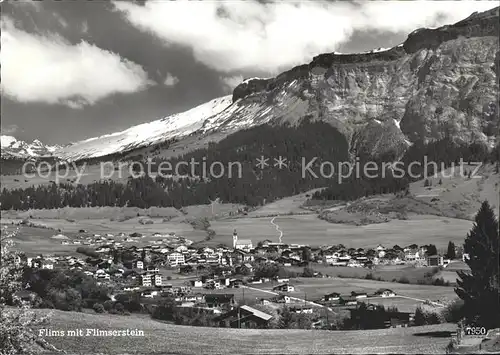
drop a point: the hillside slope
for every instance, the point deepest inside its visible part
(172, 339)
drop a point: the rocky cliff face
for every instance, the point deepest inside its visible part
(439, 82)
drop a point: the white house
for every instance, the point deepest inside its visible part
(197, 283)
(175, 259)
(284, 288)
(149, 294)
(139, 264)
(151, 279)
(181, 249)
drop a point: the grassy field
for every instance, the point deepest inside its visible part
(285, 206)
(309, 229)
(458, 193)
(385, 272)
(35, 241)
(164, 338)
(316, 288)
(102, 225)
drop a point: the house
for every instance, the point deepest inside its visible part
(225, 281)
(235, 283)
(46, 264)
(152, 269)
(102, 275)
(242, 244)
(371, 318)
(284, 288)
(354, 263)
(385, 292)
(219, 300)
(358, 295)
(213, 284)
(241, 256)
(176, 258)
(348, 300)
(245, 269)
(196, 283)
(301, 309)
(265, 302)
(139, 264)
(149, 293)
(149, 280)
(334, 296)
(281, 299)
(131, 288)
(435, 260)
(282, 279)
(412, 254)
(244, 317)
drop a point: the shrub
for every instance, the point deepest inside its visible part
(108, 305)
(98, 308)
(369, 276)
(119, 307)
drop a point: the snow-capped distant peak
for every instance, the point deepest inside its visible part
(7, 141)
(11, 147)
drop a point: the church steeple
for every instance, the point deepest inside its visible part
(235, 239)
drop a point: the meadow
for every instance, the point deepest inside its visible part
(316, 288)
(384, 272)
(309, 229)
(165, 338)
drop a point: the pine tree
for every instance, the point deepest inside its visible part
(479, 288)
(450, 254)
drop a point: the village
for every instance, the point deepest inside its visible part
(214, 279)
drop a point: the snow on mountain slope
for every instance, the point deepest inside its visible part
(177, 125)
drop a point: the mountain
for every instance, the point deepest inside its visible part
(17, 149)
(439, 83)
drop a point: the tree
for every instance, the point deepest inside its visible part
(431, 250)
(286, 320)
(306, 254)
(308, 272)
(479, 288)
(450, 254)
(18, 334)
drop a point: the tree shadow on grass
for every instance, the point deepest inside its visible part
(436, 334)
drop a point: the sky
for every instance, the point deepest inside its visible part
(77, 69)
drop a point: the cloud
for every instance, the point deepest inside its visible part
(251, 35)
(230, 82)
(9, 129)
(170, 80)
(48, 69)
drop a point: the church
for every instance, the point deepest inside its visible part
(242, 244)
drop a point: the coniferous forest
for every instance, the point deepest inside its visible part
(256, 185)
